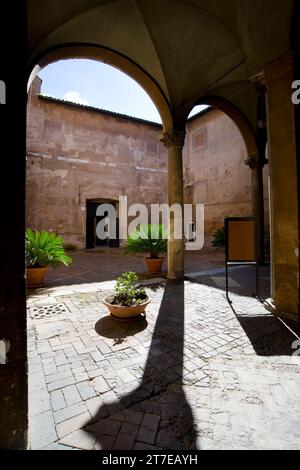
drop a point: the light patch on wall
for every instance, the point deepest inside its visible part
(62, 173)
(72, 160)
(75, 97)
(153, 170)
(37, 155)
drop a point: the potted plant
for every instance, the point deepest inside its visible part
(129, 300)
(42, 249)
(152, 239)
(218, 241)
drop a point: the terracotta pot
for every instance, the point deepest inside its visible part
(35, 276)
(122, 313)
(154, 265)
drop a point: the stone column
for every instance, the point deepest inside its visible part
(174, 141)
(283, 185)
(256, 163)
(257, 187)
(13, 357)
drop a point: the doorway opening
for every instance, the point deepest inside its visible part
(92, 219)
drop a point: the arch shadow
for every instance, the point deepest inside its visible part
(157, 412)
(268, 335)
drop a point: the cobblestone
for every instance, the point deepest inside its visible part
(57, 400)
(59, 384)
(70, 425)
(69, 412)
(71, 395)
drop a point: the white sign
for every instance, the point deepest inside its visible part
(4, 348)
(296, 94)
(2, 92)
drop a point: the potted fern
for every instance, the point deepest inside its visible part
(152, 239)
(129, 300)
(218, 241)
(42, 249)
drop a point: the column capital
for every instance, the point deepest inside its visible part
(173, 138)
(259, 85)
(279, 67)
(252, 162)
(271, 72)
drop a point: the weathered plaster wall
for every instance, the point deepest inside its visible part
(216, 174)
(75, 154)
(215, 171)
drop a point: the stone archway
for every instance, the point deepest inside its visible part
(50, 27)
(254, 161)
(175, 172)
(237, 117)
(109, 57)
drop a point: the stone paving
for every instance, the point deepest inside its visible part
(104, 264)
(197, 373)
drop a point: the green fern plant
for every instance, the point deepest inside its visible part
(151, 238)
(218, 240)
(44, 249)
(127, 291)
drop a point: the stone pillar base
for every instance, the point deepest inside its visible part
(271, 307)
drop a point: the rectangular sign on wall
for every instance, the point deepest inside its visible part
(240, 244)
(240, 240)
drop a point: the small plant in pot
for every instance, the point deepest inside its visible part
(218, 241)
(42, 249)
(129, 300)
(152, 239)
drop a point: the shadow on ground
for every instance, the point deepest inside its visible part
(168, 420)
(242, 281)
(110, 328)
(267, 334)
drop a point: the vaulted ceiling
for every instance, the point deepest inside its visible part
(190, 48)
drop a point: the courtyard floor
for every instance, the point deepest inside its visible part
(197, 373)
(103, 264)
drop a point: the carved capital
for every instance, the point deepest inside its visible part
(173, 138)
(259, 86)
(252, 162)
(255, 162)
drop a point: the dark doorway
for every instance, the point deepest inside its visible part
(92, 241)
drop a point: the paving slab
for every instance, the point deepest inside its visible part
(197, 373)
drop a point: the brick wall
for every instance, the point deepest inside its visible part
(75, 154)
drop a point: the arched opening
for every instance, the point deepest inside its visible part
(79, 156)
(223, 171)
(237, 117)
(187, 47)
(114, 59)
(78, 383)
